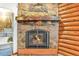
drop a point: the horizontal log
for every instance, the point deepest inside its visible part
(75, 33)
(69, 10)
(71, 28)
(73, 47)
(69, 23)
(64, 53)
(70, 15)
(71, 19)
(69, 42)
(76, 38)
(62, 4)
(67, 17)
(68, 7)
(76, 53)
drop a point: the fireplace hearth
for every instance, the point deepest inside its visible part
(37, 38)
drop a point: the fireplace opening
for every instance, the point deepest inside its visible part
(37, 38)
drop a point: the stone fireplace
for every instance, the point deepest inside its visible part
(37, 35)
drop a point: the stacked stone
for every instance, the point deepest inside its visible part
(24, 11)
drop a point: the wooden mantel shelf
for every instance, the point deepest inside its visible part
(37, 18)
(37, 51)
(25, 21)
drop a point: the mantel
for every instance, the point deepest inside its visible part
(24, 19)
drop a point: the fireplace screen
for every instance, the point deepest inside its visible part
(37, 38)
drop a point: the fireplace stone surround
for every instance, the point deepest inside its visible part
(46, 30)
(37, 29)
(52, 29)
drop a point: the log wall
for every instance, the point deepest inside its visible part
(69, 29)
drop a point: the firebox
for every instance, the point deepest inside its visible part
(37, 38)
